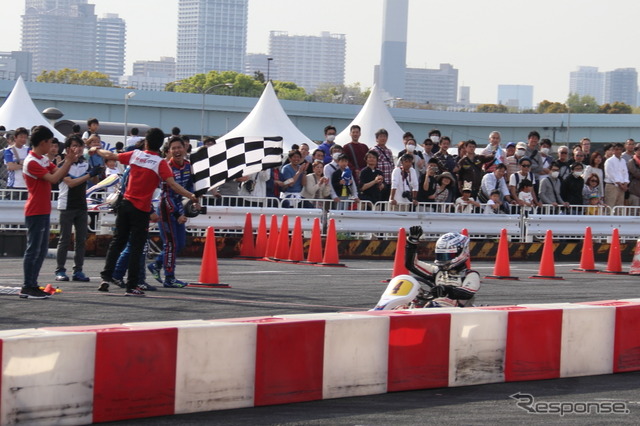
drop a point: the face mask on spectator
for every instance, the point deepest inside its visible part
(520, 152)
(411, 148)
(434, 138)
(544, 150)
(331, 138)
(577, 174)
(335, 156)
(555, 174)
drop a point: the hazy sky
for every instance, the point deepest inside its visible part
(490, 42)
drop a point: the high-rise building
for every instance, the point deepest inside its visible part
(391, 74)
(254, 62)
(111, 35)
(432, 86)
(587, 81)
(60, 34)
(621, 85)
(165, 67)
(15, 64)
(517, 96)
(308, 61)
(212, 35)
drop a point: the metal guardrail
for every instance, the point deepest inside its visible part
(366, 220)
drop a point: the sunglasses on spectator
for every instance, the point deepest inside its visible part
(525, 165)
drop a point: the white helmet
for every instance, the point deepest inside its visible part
(452, 250)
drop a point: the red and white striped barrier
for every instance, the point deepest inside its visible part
(79, 375)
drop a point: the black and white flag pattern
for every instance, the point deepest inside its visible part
(234, 158)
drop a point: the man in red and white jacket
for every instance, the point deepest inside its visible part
(148, 169)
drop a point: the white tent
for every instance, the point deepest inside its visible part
(374, 116)
(269, 119)
(20, 111)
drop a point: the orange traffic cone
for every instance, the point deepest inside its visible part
(209, 268)
(547, 269)
(272, 241)
(331, 247)
(587, 262)
(247, 250)
(465, 232)
(399, 267)
(635, 263)
(614, 263)
(315, 244)
(296, 251)
(502, 270)
(49, 289)
(261, 238)
(282, 247)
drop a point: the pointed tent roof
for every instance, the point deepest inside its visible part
(20, 111)
(374, 116)
(269, 119)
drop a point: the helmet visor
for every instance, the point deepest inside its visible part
(445, 257)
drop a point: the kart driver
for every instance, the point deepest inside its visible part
(455, 285)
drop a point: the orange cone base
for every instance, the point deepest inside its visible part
(330, 264)
(500, 277)
(203, 285)
(249, 257)
(585, 270)
(613, 272)
(546, 277)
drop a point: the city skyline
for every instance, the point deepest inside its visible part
(490, 42)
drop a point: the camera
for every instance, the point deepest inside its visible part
(407, 195)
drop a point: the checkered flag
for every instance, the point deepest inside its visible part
(234, 158)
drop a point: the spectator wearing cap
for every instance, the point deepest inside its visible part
(545, 154)
(616, 178)
(573, 186)
(515, 179)
(563, 162)
(633, 166)
(465, 203)
(470, 166)
(444, 188)
(512, 162)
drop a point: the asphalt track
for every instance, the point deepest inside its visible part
(267, 288)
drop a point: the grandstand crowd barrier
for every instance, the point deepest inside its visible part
(363, 219)
(85, 374)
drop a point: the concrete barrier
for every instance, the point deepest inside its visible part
(77, 375)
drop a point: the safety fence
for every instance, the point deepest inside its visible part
(86, 374)
(366, 220)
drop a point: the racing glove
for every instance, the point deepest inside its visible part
(415, 232)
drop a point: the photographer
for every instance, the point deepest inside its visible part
(404, 185)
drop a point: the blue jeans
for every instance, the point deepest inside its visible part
(38, 228)
(123, 263)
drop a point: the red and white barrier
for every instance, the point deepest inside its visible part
(79, 375)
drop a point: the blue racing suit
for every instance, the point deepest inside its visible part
(172, 233)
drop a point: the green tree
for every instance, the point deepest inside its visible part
(582, 104)
(290, 91)
(492, 108)
(73, 76)
(616, 108)
(548, 107)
